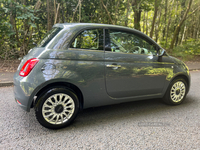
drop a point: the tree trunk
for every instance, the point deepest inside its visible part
(198, 26)
(116, 12)
(126, 19)
(137, 14)
(157, 28)
(56, 13)
(80, 12)
(195, 27)
(143, 22)
(182, 13)
(154, 17)
(165, 17)
(48, 17)
(169, 22)
(179, 25)
(147, 24)
(183, 36)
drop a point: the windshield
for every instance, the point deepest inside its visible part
(48, 37)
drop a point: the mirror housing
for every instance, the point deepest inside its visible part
(160, 53)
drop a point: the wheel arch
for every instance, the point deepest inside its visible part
(67, 85)
(183, 76)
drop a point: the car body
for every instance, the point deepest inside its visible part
(95, 64)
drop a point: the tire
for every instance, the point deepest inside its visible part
(57, 108)
(176, 92)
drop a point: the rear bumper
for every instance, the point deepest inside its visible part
(22, 92)
(22, 106)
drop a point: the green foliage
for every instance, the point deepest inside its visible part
(187, 50)
(17, 21)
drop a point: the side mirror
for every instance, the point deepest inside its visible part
(160, 53)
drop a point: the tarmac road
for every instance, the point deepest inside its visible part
(148, 124)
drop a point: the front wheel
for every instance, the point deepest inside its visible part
(57, 108)
(176, 92)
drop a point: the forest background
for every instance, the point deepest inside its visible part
(174, 24)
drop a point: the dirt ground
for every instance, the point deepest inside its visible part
(11, 65)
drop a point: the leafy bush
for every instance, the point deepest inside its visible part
(188, 50)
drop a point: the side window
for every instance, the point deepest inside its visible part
(126, 42)
(89, 39)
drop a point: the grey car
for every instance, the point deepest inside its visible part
(81, 65)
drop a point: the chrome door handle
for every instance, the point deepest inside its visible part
(113, 66)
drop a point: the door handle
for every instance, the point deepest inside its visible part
(113, 66)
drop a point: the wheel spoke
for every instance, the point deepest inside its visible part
(47, 111)
(47, 106)
(61, 118)
(56, 98)
(52, 118)
(47, 116)
(57, 117)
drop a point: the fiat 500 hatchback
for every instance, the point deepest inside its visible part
(81, 65)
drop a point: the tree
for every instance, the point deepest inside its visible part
(178, 27)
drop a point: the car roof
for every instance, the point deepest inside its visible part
(66, 25)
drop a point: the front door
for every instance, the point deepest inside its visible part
(131, 66)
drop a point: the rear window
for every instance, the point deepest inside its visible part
(49, 36)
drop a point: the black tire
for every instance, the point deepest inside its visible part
(176, 92)
(57, 108)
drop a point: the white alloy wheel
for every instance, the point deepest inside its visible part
(58, 108)
(177, 91)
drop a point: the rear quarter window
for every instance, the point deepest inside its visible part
(49, 36)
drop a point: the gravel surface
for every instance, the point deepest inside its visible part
(148, 124)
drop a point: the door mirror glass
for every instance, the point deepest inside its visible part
(161, 52)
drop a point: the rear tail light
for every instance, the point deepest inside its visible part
(28, 66)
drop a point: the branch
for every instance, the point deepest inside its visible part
(16, 32)
(76, 10)
(192, 12)
(116, 11)
(37, 6)
(107, 12)
(57, 13)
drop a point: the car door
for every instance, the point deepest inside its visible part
(131, 65)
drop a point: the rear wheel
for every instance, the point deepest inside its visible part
(176, 92)
(57, 108)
